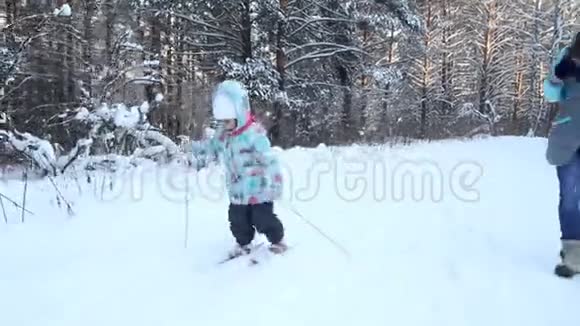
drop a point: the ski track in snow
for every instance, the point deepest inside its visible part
(122, 261)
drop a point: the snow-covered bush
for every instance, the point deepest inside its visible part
(40, 152)
(122, 130)
(117, 137)
(490, 117)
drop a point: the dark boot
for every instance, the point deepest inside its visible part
(570, 265)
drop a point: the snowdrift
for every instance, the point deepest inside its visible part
(446, 233)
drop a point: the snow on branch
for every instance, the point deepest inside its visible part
(149, 139)
(227, 34)
(81, 150)
(39, 151)
(324, 53)
(64, 11)
(384, 77)
(125, 130)
(490, 116)
(315, 20)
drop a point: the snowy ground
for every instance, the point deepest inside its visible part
(477, 248)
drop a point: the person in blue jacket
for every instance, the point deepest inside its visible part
(563, 152)
(253, 174)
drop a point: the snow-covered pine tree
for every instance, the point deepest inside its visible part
(489, 54)
(423, 69)
(536, 66)
(324, 45)
(333, 71)
(432, 84)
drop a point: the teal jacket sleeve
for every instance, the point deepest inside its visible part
(207, 151)
(215, 146)
(265, 153)
(554, 88)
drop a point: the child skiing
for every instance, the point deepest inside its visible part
(563, 87)
(253, 175)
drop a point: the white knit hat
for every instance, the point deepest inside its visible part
(223, 108)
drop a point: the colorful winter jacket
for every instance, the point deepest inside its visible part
(564, 136)
(253, 173)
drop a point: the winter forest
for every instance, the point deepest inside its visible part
(136, 76)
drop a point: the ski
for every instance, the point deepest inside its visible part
(256, 254)
(268, 253)
(242, 254)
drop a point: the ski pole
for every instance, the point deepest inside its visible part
(319, 231)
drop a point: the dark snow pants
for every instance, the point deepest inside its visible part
(569, 205)
(245, 220)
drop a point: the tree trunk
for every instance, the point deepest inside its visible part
(446, 61)
(246, 31)
(281, 60)
(90, 10)
(519, 92)
(536, 98)
(425, 83)
(109, 9)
